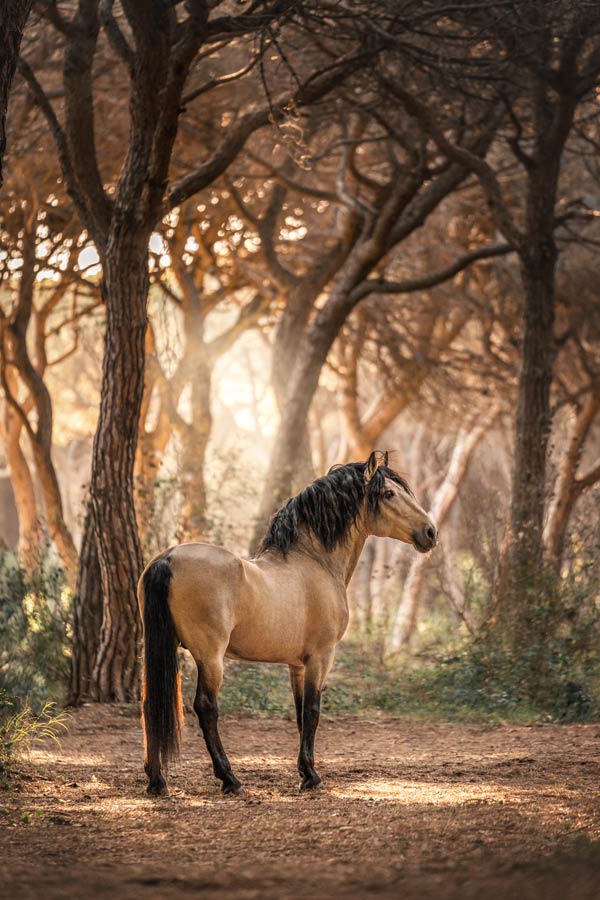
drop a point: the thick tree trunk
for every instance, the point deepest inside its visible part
(125, 268)
(522, 564)
(521, 569)
(87, 616)
(533, 410)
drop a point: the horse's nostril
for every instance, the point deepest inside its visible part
(430, 533)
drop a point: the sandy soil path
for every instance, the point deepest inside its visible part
(409, 810)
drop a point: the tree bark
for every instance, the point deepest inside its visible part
(13, 17)
(125, 270)
(523, 562)
(87, 616)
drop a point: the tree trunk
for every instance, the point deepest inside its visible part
(288, 442)
(40, 436)
(360, 598)
(150, 453)
(195, 442)
(87, 616)
(13, 16)
(125, 270)
(567, 489)
(405, 621)
(30, 531)
(288, 338)
(285, 455)
(521, 566)
(57, 527)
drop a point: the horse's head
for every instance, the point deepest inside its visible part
(392, 510)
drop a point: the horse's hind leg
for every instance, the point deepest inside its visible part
(210, 676)
(315, 673)
(297, 682)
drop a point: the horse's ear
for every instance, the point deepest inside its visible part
(385, 459)
(371, 466)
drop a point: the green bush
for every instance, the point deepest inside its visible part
(34, 632)
(540, 661)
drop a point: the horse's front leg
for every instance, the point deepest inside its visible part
(210, 676)
(315, 673)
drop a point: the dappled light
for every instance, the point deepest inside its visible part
(488, 800)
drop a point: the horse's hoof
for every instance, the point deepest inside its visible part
(157, 790)
(233, 789)
(310, 783)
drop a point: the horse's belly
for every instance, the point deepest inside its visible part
(268, 638)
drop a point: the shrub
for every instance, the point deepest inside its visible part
(34, 632)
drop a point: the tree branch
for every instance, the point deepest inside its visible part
(487, 177)
(115, 36)
(237, 136)
(41, 101)
(423, 282)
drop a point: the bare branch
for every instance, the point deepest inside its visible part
(117, 39)
(64, 156)
(487, 177)
(423, 282)
(237, 136)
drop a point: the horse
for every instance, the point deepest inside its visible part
(287, 605)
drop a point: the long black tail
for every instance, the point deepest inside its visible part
(161, 705)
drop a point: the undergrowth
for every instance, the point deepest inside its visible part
(21, 728)
(34, 632)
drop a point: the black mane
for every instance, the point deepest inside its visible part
(329, 506)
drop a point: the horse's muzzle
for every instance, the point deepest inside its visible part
(425, 538)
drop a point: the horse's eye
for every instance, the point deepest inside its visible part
(388, 495)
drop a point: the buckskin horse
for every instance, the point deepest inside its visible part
(287, 605)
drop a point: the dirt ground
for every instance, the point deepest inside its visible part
(409, 810)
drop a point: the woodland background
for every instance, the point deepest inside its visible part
(242, 242)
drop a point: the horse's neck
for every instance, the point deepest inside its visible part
(341, 561)
(353, 551)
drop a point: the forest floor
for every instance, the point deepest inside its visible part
(409, 809)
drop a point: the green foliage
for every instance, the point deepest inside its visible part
(252, 687)
(537, 660)
(20, 728)
(34, 632)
